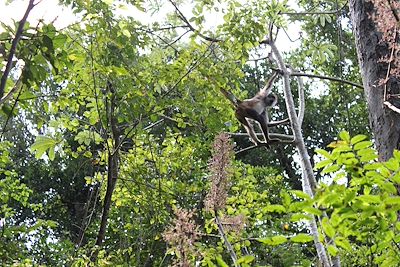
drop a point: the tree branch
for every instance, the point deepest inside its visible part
(112, 168)
(392, 107)
(193, 29)
(13, 48)
(17, 86)
(332, 12)
(226, 241)
(325, 78)
(309, 182)
(283, 138)
(300, 84)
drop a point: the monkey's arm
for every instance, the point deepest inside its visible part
(268, 86)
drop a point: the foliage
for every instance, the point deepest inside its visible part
(364, 213)
(147, 95)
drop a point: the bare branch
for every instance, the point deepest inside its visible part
(274, 135)
(279, 138)
(300, 84)
(310, 13)
(329, 12)
(325, 78)
(392, 107)
(16, 87)
(309, 182)
(226, 241)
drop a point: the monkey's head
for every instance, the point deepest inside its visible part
(270, 100)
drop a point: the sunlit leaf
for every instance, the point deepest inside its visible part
(327, 227)
(302, 238)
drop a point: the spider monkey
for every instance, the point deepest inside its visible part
(256, 108)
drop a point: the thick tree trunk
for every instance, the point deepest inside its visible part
(385, 123)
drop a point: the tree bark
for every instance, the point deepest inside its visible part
(113, 166)
(309, 182)
(13, 48)
(385, 123)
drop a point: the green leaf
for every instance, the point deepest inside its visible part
(126, 33)
(362, 145)
(221, 262)
(396, 154)
(332, 250)
(323, 163)
(395, 200)
(312, 210)
(322, 20)
(27, 95)
(344, 243)
(273, 241)
(108, 2)
(357, 138)
(327, 227)
(368, 155)
(302, 238)
(330, 169)
(392, 164)
(279, 239)
(371, 199)
(323, 152)
(43, 143)
(274, 208)
(299, 217)
(300, 194)
(345, 136)
(51, 153)
(245, 259)
(286, 200)
(389, 187)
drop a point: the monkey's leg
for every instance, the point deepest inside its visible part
(262, 119)
(250, 131)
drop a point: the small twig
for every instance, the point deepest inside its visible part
(17, 85)
(195, 63)
(391, 106)
(177, 39)
(193, 29)
(394, 11)
(153, 125)
(333, 12)
(272, 135)
(246, 149)
(226, 241)
(389, 67)
(10, 115)
(167, 44)
(326, 78)
(171, 27)
(310, 13)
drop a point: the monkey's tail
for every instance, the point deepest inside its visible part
(231, 97)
